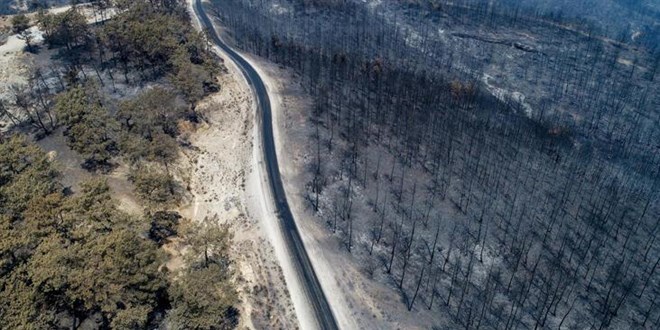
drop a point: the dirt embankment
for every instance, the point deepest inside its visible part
(218, 172)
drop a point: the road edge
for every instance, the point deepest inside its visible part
(258, 179)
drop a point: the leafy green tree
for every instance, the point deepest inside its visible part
(67, 29)
(67, 259)
(203, 296)
(44, 216)
(26, 173)
(113, 274)
(154, 111)
(73, 105)
(99, 264)
(146, 37)
(64, 259)
(22, 306)
(92, 205)
(89, 128)
(153, 186)
(209, 241)
(164, 224)
(189, 78)
(20, 24)
(45, 22)
(163, 149)
(26, 177)
(133, 148)
(94, 137)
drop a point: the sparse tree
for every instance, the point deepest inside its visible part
(20, 24)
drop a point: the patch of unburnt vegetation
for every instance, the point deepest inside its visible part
(121, 91)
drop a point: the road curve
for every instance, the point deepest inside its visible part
(298, 254)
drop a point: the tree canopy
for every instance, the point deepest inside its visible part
(65, 259)
(72, 259)
(203, 295)
(20, 25)
(68, 29)
(89, 128)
